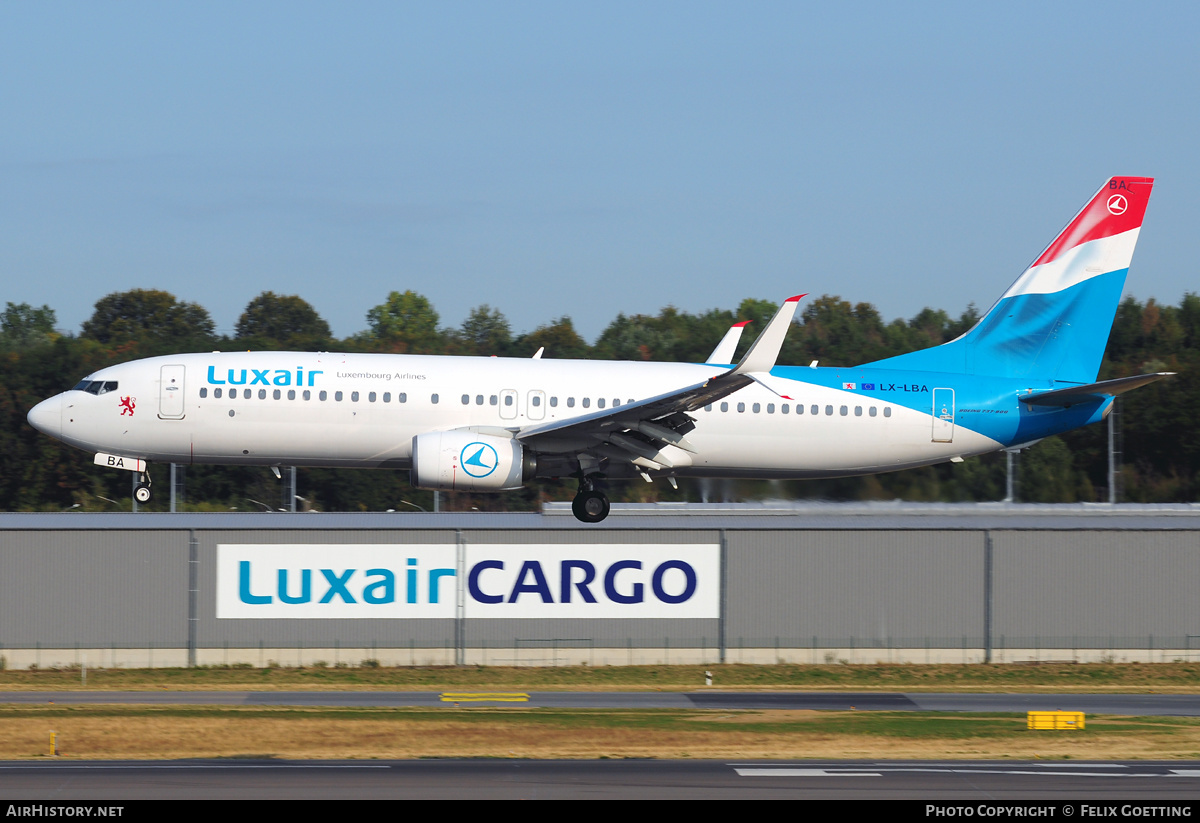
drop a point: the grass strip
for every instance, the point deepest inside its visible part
(168, 732)
(1060, 677)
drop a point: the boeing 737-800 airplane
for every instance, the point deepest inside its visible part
(1025, 371)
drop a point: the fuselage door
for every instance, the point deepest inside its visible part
(170, 393)
(537, 405)
(508, 404)
(943, 415)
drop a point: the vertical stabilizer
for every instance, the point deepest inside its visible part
(1053, 322)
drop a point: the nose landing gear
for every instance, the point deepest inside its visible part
(589, 505)
(142, 493)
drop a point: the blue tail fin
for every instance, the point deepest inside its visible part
(1053, 322)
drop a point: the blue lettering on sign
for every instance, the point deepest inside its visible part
(473, 581)
(244, 586)
(610, 583)
(378, 586)
(624, 582)
(589, 574)
(381, 591)
(305, 587)
(539, 585)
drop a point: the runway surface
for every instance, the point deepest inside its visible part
(1179, 705)
(1151, 783)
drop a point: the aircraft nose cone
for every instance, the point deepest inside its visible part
(46, 416)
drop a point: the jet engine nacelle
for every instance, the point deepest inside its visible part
(468, 461)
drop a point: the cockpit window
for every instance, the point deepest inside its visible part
(96, 386)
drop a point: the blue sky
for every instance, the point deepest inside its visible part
(558, 159)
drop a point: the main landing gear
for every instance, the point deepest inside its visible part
(142, 493)
(589, 505)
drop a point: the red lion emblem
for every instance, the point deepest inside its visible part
(127, 406)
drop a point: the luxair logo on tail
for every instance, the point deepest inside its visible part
(478, 459)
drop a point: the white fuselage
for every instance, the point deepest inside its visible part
(363, 410)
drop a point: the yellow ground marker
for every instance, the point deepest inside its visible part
(1054, 720)
(491, 697)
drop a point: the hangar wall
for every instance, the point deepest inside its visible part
(938, 584)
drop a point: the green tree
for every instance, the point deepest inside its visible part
(24, 327)
(405, 323)
(282, 321)
(559, 338)
(148, 321)
(485, 332)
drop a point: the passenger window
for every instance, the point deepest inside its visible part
(570, 402)
(262, 394)
(204, 392)
(741, 407)
(324, 395)
(708, 407)
(814, 409)
(292, 394)
(387, 397)
(871, 411)
(616, 402)
(493, 400)
(553, 402)
(479, 400)
(508, 399)
(536, 400)
(756, 408)
(466, 399)
(278, 394)
(600, 403)
(770, 408)
(587, 402)
(233, 393)
(402, 397)
(724, 406)
(887, 411)
(337, 395)
(433, 399)
(353, 397)
(784, 409)
(843, 411)
(858, 411)
(371, 397)
(307, 394)
(217, 393)
(828, 410)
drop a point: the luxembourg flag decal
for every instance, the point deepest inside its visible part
(849, 386)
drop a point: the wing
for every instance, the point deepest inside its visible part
(641, 432)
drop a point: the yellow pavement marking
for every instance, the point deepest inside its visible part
(467, 697)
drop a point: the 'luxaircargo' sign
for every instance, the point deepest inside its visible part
(431, 581)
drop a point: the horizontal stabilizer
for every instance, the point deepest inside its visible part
(1093, 391)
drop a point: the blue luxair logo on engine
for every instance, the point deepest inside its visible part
(478, 459)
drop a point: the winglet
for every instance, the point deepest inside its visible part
(765, 350)
(723, 353)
